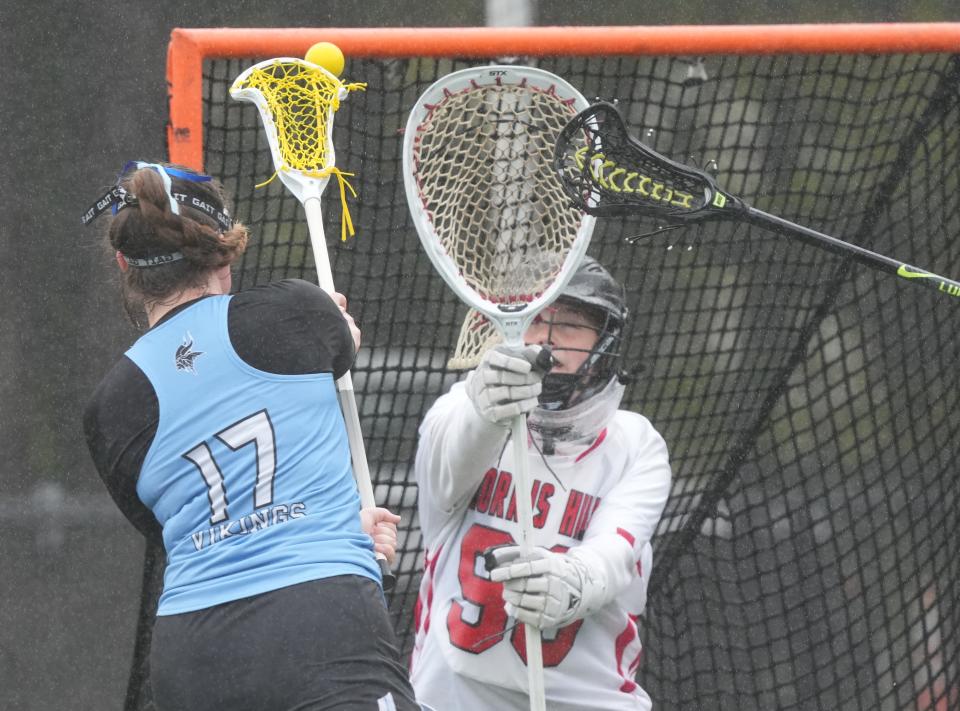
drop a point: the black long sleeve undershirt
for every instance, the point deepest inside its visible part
(289, 327)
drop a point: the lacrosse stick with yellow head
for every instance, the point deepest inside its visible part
(297, 100)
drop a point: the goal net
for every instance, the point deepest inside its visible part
(809, 555)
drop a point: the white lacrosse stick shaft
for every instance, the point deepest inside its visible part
(348, 402)
(525, 518)
(512, 331)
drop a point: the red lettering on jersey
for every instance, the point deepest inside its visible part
(512, 508)
(500, 494)
(584, 517)
(571, 513)
(589, 507)
(578, 513)
(491, 497)
(481, 499)
(534, 503)
(542, 504)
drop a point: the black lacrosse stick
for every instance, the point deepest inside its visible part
(607, 172)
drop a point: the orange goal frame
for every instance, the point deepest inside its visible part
(188, 48)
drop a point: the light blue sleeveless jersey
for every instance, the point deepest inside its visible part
(249, 472)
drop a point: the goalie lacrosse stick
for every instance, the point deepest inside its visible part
(494, 220)
(618, 175)
(296, 100)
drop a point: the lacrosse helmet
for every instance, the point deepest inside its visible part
(595, 292)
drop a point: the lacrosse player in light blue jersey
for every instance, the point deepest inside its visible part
(220, 431)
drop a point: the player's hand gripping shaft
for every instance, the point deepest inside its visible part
(545, 589)
(381, 525)
(507, 382)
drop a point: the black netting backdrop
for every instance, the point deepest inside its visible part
(809, 556)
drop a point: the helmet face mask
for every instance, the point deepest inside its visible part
(562, 390)
(585, 331)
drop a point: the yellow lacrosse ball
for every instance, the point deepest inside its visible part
(326, 55)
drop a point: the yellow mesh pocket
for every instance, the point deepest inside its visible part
(301, 99)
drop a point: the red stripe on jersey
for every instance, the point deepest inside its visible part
(430, 568)
(596, 443)
(424, 599)
(626, 534)
(623, 640)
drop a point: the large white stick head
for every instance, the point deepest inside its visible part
(487, 204)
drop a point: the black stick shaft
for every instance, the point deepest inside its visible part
(948, 287)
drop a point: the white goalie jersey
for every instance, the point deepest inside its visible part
(468, 653)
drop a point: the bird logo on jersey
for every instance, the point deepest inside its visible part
(185, 356)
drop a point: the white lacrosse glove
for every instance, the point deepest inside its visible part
(507, 382)
(546, 589)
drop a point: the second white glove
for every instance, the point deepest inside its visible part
(544, 589)
(506, 383)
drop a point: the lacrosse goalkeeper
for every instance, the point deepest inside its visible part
(219, 431)
(600, 478)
